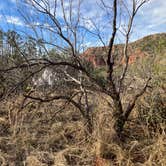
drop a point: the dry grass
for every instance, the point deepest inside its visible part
(36, 136)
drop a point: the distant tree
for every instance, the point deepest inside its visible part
(30, 47)
(1, 42)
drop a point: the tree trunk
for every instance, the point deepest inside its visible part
(119, 125)
(88, 125)
(119, 117)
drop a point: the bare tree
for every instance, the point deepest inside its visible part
(68, 32)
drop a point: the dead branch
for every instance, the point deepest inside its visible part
(133, 102)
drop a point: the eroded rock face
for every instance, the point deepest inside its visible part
(98, 55)
(134, 55)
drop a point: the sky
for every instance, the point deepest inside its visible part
(150, 19)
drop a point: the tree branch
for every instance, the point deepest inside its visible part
(49, 99)
(132, 104)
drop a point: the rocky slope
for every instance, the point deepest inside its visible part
(147, 46)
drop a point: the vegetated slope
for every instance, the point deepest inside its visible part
(150, 46)
(152, 43)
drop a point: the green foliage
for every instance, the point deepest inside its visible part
(154, 44)
(100, 75)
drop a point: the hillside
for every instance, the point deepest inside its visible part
(148, 46)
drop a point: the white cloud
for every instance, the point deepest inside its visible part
(12, 20)
(88, 24)
(154, 12)
(150, 19)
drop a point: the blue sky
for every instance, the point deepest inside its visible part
(150, 19)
